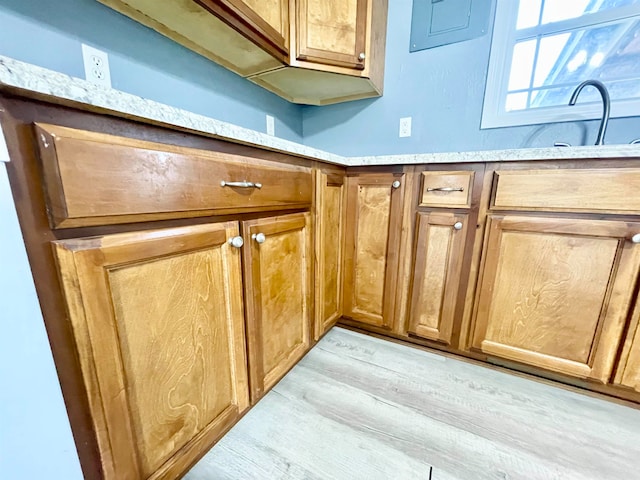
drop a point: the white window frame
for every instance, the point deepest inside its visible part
(503, 41)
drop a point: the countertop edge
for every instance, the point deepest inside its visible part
(44, 84)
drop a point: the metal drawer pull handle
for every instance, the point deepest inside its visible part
(259, 237)
(243, 184)
(446, 189)
(457, 226)
(396, 184)
(636, 238)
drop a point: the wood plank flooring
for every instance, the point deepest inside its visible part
(357, 407)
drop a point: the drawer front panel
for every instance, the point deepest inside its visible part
(607, 190)
(446, 189)
(94, 179)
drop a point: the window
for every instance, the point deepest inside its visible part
(542, 50)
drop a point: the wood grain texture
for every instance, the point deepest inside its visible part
(159, 328)
(195, 28)
(552, 292)
(437, 271)
(278, 292)
(266, 23)
(597, 190)
(374, 227)
(310, 86)
(453, 179)
(96, 178)
(275, 13)
(332, 32)
(376, 43)
(628, 371)
(361, 408)
(329, 250)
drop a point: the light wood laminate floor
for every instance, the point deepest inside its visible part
(357, 407)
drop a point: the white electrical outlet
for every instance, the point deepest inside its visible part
(405, 127)
(271, 125)
(96, 66)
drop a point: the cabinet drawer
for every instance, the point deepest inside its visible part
(446, 189)
(607, 190)
(94, 179)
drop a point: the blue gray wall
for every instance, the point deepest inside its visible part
(35, 436)
(142, 62)
(442, 89)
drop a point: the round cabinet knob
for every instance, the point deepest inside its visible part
(236, 241)
(457, 226)
(636, 238)
(361, 57)
(259, 237)
(396, 184)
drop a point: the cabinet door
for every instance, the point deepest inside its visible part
(157, 318)
(555, 292)
(436, 277)
(374, 223)
(332, 32)
(278, 282)
(329, 250)
(628, 371)
(265, 22)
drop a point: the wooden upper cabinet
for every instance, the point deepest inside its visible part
(265, 22)
(329, 250)
(373, 234)
(277, 266)
(439, 254)
(332, 32)
(158, 323)
(555, 292)
(312, 52)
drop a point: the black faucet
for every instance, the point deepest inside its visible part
(606, 105)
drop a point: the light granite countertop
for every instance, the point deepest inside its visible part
(60, 88)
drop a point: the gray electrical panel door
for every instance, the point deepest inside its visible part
(440, 22)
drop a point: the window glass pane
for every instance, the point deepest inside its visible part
(555, 97)
(622, 60)
(611, 51)
(522, 65)
(557, 10)
(624, 90)
(516, 101)
(549, 55)
(528, 13)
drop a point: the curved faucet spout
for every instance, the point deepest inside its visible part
(606, 105)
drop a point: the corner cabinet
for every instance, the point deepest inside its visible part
(158, 323)
(329, 250)
(277, 262)
(373, 233)
(306, 51)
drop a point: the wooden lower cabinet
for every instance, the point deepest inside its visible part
(329, 251)
(277, 265)
(439, 254)
(628, 372)
(555, 293)
(158, 323)
(373, 233)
